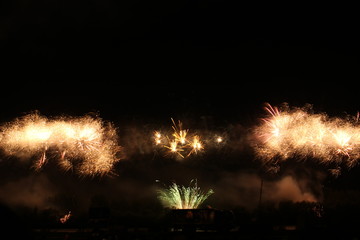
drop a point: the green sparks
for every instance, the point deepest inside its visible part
(181, 197)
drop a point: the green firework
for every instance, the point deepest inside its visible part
(181, 197)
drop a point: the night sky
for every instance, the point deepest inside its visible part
(137, 57)
(210, 64)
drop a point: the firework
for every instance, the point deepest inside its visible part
(85, 144)
(66, 217)
(175, 148)
(181, 197)
(219, 139)
(196, 145)
(300, 134)
(179, 134)
(158, 138)
(178, 143)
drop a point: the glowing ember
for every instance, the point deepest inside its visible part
(65, 218)
(219, 139)
(157, 138)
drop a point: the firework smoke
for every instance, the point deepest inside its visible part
(242, 188)
(84, 144)
(181, 197)
(301, 134)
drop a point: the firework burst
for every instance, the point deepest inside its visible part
(65, 218)
(85, 144)
(300, 134)
(180, 143)
(181, 197)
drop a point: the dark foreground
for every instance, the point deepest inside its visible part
(289, 221)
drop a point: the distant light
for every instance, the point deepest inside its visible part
(219, 139)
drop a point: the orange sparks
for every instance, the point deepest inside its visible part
(301, 134)
(180, 142)
(85, 144)
(66, 217)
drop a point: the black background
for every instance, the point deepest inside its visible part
(144, 62)
(140, 57)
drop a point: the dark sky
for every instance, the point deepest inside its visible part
(137, 57)
(140, 63)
